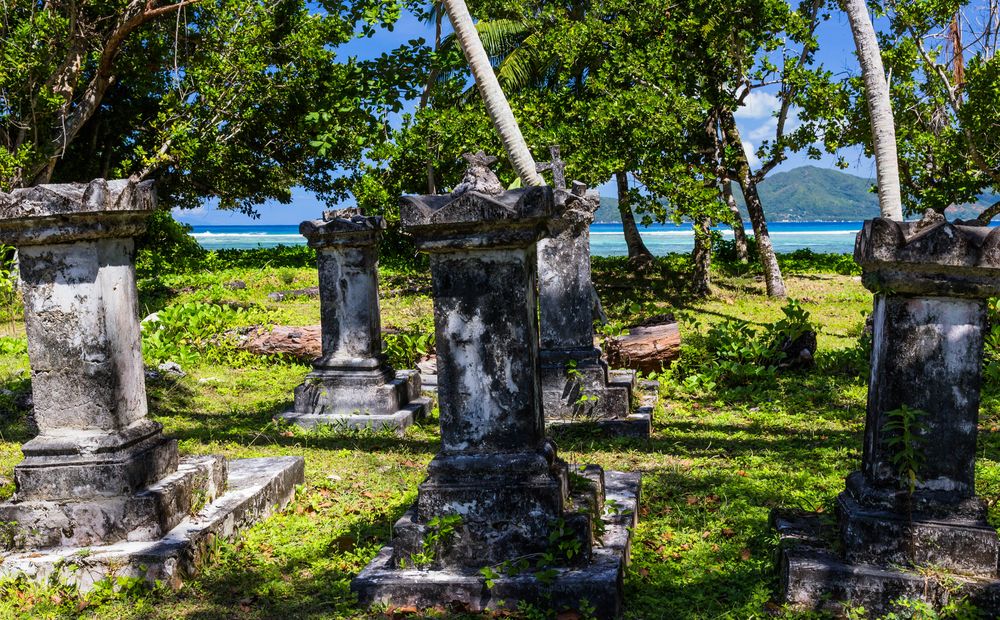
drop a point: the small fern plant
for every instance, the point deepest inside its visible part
(904, 429)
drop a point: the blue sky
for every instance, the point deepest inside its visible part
(755, 119)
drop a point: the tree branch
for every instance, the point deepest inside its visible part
(135, 15)
(990, 212)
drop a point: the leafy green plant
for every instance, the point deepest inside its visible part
(182, 333)
(405, 348)
(793, 326)
(286, 275)
(735, 354)
(440, 532)
(903, 426)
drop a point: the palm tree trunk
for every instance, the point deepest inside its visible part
(636, 247)
(489, 88)
(701, 284)
(879, 109)
(739, 233)
(772, 271)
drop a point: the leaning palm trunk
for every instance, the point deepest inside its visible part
(489, 88)
(879, 109)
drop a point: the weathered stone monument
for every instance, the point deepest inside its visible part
(910, 523)
(351, 385)
(500, 518)
(101, 485)
(576, 383)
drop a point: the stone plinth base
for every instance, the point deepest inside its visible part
(254, 489)
(598, 584)
(335, 402)
(579, 389)
(814, 577)
(146, 515)
(638, 423)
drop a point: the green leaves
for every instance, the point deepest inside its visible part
(903, 437)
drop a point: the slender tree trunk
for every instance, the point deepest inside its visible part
(702, 258)
(636, 248)
(739, 233)
(772, 272)
(489, 89)
(879, 109)
(426, 96)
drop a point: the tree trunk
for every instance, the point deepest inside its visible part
(426, 96)
(636, 247)
(739, 233)
(701, 284)
(772, 272)
(489, 89)
(879, 109)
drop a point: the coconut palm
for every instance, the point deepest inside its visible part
(879, 109)
(489, 88)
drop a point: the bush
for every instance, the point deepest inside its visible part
(734, 354)
(184, 332)
(404, 349)
(167, 247)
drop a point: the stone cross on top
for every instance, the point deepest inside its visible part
(557, 166)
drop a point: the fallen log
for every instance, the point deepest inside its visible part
(647, 349)
(303, 343)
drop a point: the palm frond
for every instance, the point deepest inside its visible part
(499, 37)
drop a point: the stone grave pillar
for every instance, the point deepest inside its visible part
(576, 385)
(912, 526)
(100, 471)
(351, 385)
(496, 492)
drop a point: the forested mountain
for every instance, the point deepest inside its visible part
(809, 193)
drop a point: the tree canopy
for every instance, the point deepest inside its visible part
(234, 99)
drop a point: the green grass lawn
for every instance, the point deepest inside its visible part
(715, 466)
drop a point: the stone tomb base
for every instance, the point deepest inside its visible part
(255, 488)
(345, 403)
(599, 584)
(614, 399)
(815, 577)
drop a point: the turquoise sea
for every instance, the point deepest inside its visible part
(605, 239)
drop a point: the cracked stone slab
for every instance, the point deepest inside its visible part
(255, 489)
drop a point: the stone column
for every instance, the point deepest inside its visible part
(496, 474)
(352, 385)
(931, 281)
(100, 471)
(575, 379)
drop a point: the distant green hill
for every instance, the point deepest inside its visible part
(809, 193)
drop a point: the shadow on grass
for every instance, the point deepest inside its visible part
(173, 405)
(310, 580)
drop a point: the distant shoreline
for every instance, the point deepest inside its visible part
(607, 239)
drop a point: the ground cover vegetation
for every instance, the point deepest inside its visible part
(735, 436)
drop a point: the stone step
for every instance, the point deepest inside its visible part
(255, 488)
(145, 515)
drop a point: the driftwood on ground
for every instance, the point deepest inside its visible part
(304, 343)
(645, 348)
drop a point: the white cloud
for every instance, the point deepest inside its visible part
(750, 150)
(763, 131)
(758, 105)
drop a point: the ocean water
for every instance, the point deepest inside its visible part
(605, 239)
